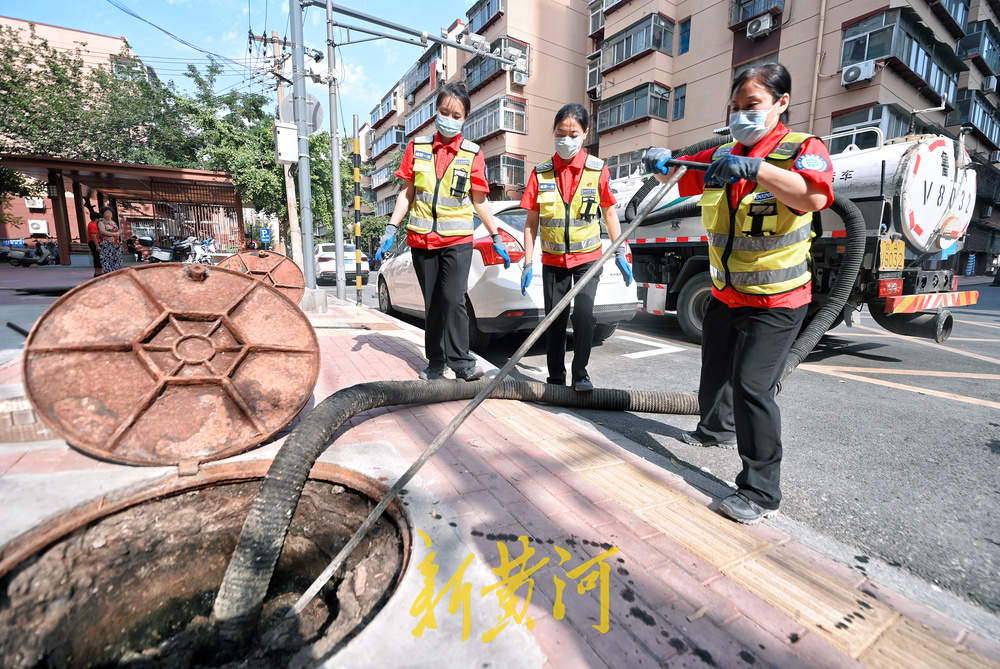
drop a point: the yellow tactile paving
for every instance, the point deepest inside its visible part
(847, 618)
(633, 489)
(856, 623)
(705, 533)
(907, 644)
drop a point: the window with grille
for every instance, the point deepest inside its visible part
(385, 206)
(625, 164)
(384, 108)
(501, 114)
(652, 33)
(480, 68)
(596, 16)
(391, 138)
(648, 101)
(892, 121)
(594, 72)
(421, 115)
(505, 170)
(380, 177)
(482, 13)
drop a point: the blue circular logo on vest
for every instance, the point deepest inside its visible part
(812, 161)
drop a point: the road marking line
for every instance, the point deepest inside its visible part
(985, 325)
(921, 342)
(901, 386)
(659, 349)
(653, 338)
(907, 372)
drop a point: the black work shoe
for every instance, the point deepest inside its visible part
(469, 373)
(693, 439)
(740, 508)
(555, 382)
(584, 385)
(431, 373)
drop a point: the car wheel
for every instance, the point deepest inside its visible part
(384, 303)
(602, 331)
(692, 303)
(14, 262)
(478, 340)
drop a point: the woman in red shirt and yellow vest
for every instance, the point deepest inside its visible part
(757, 204)
(445, 182)
(566, 196)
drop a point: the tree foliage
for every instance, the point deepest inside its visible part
(54, 104)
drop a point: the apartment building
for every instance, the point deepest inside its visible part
(657, 73)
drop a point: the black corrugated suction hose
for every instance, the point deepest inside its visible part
(239, 600)
(248, 575)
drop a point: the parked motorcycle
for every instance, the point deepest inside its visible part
(187, 250)
(44, 253)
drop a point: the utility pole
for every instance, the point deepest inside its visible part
(338, 205)
(299, 102)
(290, 200)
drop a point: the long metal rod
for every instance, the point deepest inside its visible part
(378, 33)
(338, 205)
(299, 105)
(423, 35)
(459, 418)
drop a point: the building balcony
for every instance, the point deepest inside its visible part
(982, 47)
(953, 14)
(972, 108)
(741, 11)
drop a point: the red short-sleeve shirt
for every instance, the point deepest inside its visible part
(568, 175)
(810, 162)
(444, 153)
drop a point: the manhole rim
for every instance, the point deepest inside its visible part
(60, 525)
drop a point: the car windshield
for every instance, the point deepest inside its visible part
(515, 218)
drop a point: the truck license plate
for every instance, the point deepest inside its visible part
(891, 255)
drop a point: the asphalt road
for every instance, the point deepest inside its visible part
(892, 444)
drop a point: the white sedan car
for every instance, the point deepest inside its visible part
(326, 264)
(494, 301)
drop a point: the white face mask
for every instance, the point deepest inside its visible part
(567, 147)
(448, 126)
(750, 126)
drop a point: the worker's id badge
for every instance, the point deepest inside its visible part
(459, 183)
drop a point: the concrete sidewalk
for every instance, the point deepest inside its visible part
(634, 567)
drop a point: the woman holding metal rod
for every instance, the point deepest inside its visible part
(445, 179)
(566, 197)
(757, 203)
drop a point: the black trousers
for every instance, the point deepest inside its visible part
(556, 282)
(443, 275)
(95, 254)
(743, 352)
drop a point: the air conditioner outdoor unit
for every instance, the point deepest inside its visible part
(38, 227)
(759, 27)
(519, 78)
(858, 73)
(995, 156)
(595, 92)
(410, 99)
(34, 202)
(990, 84)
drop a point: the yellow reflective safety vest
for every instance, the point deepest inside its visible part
(761, 248)
(442, 205)
(574, 225)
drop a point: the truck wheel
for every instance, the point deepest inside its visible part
(603, 331)
(692, 303)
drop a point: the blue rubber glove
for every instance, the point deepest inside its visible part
(623, 265)
(655, 161)
(525, 278)
(730, 169)
(386, 241)
(501, 250)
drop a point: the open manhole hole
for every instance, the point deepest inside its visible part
(135, 587)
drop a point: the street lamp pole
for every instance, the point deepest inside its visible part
(338, 208)
(299, 105)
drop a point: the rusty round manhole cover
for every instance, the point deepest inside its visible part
(272, 268)
(170, 363)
